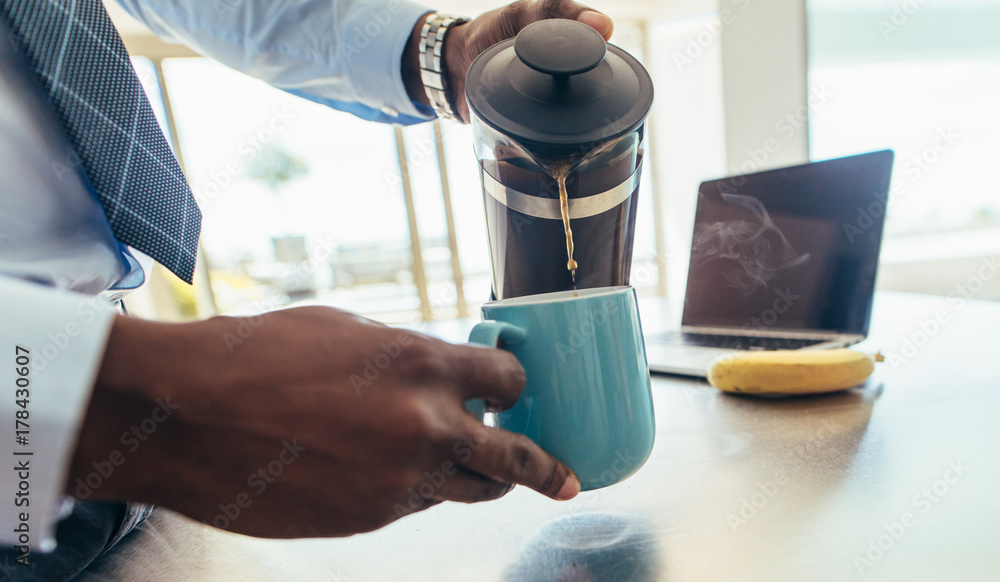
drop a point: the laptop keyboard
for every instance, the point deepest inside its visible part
(735, 342)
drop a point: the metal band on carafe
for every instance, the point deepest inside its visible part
(549, 207)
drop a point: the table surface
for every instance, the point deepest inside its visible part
(897, 480)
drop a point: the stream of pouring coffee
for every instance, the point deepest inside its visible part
(571, 264)
(560, 173)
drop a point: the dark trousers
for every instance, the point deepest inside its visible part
(92, 529)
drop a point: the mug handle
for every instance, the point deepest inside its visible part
(489, 334)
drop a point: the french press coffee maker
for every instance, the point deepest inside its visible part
(558, 117)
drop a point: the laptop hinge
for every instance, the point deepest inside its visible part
(779, 333)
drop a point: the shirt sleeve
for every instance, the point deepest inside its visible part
(346, 54)
(51, 346)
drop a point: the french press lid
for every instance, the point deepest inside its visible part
(558, 87)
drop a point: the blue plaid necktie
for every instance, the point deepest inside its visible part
(86, 72)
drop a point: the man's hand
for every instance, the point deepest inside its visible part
(303, 422)
(466, 41)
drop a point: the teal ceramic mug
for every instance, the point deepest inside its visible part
(587, 400)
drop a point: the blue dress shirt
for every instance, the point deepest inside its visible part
(344, 54)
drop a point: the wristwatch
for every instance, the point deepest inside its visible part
(432, 65)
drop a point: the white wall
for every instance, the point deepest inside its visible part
(764, 67)
(688, 123)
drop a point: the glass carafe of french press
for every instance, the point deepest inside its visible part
(558, 117)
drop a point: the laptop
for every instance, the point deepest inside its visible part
(782, 259)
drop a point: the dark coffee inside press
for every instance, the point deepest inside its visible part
(539, 254)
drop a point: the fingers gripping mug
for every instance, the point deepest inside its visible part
(587, 400)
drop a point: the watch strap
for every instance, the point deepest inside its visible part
(432, 64)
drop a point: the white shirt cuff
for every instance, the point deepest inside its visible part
(51, 348)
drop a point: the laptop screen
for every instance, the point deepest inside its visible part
(790, 249)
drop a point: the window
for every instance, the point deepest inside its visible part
(303, 203)
(300, 202)
(923, 79)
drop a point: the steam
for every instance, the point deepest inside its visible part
(755, 244)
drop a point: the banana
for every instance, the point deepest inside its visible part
(791, 371)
